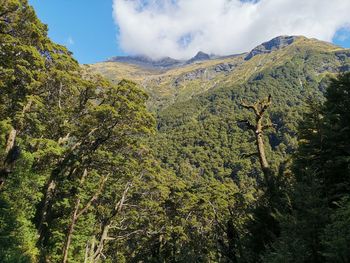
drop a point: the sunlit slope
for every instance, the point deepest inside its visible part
(201, 136)
(166, 87)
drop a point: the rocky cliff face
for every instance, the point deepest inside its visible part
(272, 45)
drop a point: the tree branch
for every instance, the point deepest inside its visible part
(253, 107)
(94, 197)
(265, 104)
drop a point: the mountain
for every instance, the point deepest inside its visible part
(243, 158)
(272, 45)
(165, 63)
(313, 59)
(198, 105)
(147, 62)
(201, 56)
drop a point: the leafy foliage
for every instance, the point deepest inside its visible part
(89, 175)
(321, 169)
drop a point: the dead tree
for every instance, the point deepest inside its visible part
(259, 108)
(264, 228)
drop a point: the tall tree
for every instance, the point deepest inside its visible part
(68, 140)
(321, 170)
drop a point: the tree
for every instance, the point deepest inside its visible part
(259, 108)
(321, 168)
(65, 136)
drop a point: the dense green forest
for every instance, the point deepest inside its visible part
(257, 171)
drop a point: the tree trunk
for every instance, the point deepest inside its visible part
(87, 253)
(259, 108)
(70, 231)
(50, 188)
(11, 140)
(104, 236)
(261, 148)
(59, 95)
(107, 225)
(76, 214)
(90, 249)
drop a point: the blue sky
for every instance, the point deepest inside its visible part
(88, 29)
(342, 38)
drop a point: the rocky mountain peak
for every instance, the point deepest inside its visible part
(272, 45)
(200, 56)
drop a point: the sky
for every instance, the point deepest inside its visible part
(86, 27)
(95, 30)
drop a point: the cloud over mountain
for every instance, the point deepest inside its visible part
(181, 28)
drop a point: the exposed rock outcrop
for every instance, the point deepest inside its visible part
(201, 56)
(272, 45)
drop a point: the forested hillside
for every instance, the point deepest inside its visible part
(168, 85)
(237, 159)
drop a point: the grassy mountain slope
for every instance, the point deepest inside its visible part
(198, 105)
(166, 87)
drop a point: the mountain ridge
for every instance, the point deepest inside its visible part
(162, 63)
(168, 85)
(167, 62)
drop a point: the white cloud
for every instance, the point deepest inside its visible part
(180, 28)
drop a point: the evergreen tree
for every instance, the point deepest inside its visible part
(321, 180)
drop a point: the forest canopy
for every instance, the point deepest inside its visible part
(249, 172)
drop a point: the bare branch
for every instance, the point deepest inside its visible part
(259, 109)
(250, 107)
(108, 225)
(80, 142)
(265, 104)
(129, 234)
(94, 197)
(120, 203)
